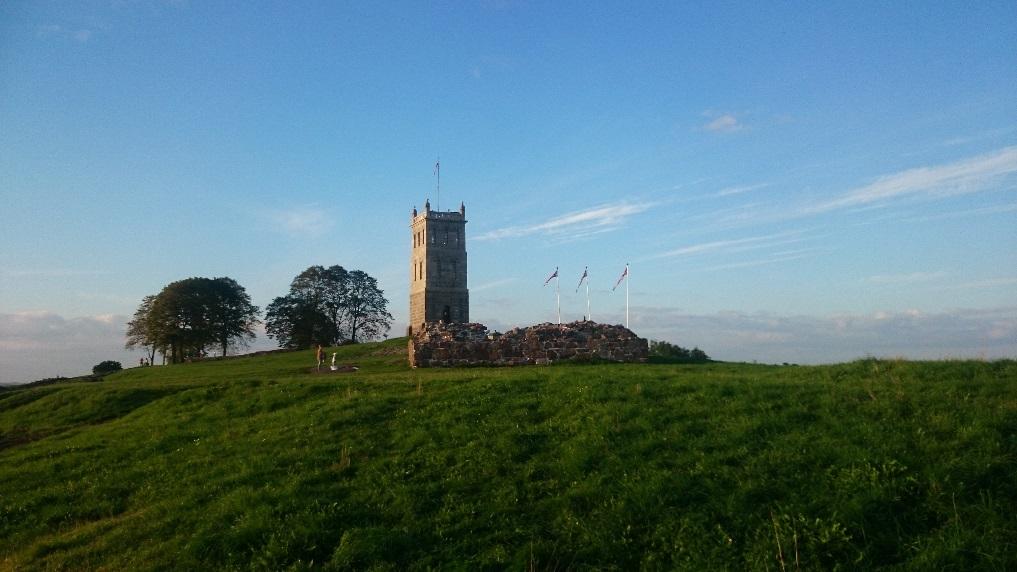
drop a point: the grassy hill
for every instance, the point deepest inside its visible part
(259, 464)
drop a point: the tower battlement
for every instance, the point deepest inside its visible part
(438, 287)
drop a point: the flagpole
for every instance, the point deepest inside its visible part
(437, 186)
(588, 315)
(557, 295)
(628, 277)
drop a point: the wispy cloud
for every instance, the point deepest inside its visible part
(982, 211)
(595, 220)
(987, 283)
(492, 284)
(80, 35)
(905, 278)
(988, 134)
(49, 273)
(775, 258)
(966, 176)
(725, 123)
(733, 245)
(300, 221)
(739, 190)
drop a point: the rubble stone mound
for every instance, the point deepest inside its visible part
(439, 344)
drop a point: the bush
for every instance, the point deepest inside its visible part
(108, 366)
(677, 354)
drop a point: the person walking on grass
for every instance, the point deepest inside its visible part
(321, 356)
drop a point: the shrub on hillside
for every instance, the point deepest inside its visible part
(678, 354)
(108, 366)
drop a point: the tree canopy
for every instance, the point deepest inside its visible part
(189, 317)
(328, 306)
(108, 366)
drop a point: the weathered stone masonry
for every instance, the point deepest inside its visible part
(453, 345)
(438, 289)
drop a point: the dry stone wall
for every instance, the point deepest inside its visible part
(454, 345)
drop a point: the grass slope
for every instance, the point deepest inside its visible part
(256, 464)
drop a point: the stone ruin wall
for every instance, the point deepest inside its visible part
(456, 345)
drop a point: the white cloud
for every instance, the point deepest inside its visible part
(491, 285)
(739, 190)
(40, 344)
(773, 259)
(50, 273)
(31, 330)
(982, 211)
(58, 31)
(987, 283)
(905, 278)
(48, 30)
(740, 336)
(602, 218)
(301, 221)
(733, 245)
(966, 176)
(726, 123)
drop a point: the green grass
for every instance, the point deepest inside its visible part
(257, 464)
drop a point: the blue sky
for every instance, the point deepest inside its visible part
(798, 182)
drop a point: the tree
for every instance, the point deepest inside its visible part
(191, 316)
(231, 316)
(366, 314)
(108, 366)
(328, 306)
(139, 333)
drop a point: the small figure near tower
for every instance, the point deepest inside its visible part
(438, 291)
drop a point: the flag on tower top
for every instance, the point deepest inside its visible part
(553, 275)
(583, 277)
(622, 277)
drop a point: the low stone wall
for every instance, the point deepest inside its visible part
(455, 345)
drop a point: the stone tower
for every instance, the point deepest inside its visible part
(438, 267)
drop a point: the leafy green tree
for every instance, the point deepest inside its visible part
(108, 366)
(140, 333)
(366, 315)
(230, 313)
(193, 315)
(328, 306)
